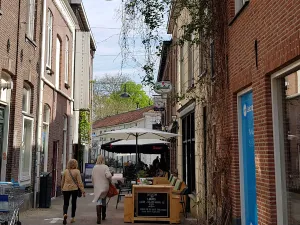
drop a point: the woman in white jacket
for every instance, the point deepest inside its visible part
(101, 178)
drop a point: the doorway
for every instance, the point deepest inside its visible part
(54, 168)
(2, 119)
(247, 158)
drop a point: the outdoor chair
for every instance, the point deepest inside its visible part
(177, 186)
(173, 181)
(124, 189)
(170, 178)
(183, 195)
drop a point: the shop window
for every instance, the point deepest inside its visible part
(188, 151)
(45, 135)
(49, 38)
(31, 19)
(287, 148)
(26, 149)
(26, 99)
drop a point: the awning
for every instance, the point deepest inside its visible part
(158, 148)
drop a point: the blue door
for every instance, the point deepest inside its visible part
(248, 159)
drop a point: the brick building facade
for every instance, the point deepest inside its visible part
(19, 68)
(263, 41)
(262, 57)
(37, 57)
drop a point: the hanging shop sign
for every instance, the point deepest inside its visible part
(159, 103)
(163, 87)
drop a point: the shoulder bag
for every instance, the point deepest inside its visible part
(112, 191)
(79, 191)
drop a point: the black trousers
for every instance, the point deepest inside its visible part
(67, 196)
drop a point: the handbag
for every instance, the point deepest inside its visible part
(79, 194)
(112, 191)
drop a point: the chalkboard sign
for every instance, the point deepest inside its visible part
(153, 205)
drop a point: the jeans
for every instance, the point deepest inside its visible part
(101, 201)
(67, 196)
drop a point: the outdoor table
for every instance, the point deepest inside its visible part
(152, 203)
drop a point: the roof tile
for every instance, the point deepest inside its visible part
(122, 118)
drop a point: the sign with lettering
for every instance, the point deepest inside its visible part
(153, 205)
(162, 87)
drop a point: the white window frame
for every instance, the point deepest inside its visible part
(58, 61)
(238, 5)
(27, 88)
(45, 148)
(67, 61)
(278, 138)
(25, 178)
(49, 38)
(65, 139)
(31, 19)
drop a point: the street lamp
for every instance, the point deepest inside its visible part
(125, 94)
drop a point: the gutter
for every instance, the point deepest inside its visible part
(40, 103)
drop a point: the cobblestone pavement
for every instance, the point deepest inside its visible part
(85, 213)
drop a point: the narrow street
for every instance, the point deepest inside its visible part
(85, 214)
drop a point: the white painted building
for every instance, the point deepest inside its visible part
(142, 118)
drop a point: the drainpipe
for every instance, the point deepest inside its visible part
(40, 103)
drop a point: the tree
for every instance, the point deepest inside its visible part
(107, 100)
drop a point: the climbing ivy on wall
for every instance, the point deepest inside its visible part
(84, 126)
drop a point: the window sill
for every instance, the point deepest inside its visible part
(28, 115)
(30, 41)
(239, 13)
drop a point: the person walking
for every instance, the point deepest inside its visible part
(71, 184)
(101, 178)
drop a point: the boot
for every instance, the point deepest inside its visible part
(103, 212)
(98, 207)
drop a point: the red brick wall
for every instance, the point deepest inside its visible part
(24, 69)
(59, 104)
(61, 30)
(275, 25)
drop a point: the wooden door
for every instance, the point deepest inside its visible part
(54, 168)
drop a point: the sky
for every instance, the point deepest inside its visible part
(106, 25)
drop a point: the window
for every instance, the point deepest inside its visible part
(26, 149)
(26, 99)
(49, 38)
(6, 87)
(31, 19)
(181, 63)
(239, 5)
(65, 142)
(45, 135)
(191, 64)
(188, 144)
(287, 145)
(57, 59)
(67, 61)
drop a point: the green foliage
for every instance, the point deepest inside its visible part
(152, 15)
(84, 126)
(107, 99)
